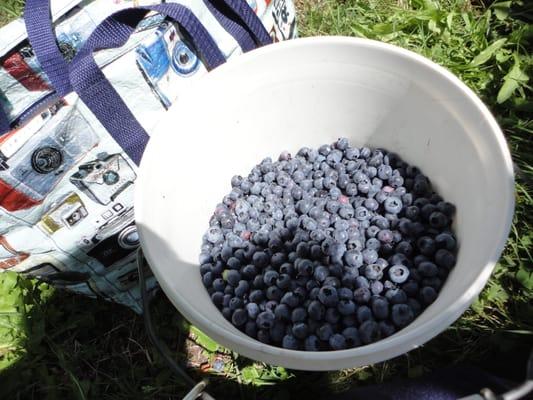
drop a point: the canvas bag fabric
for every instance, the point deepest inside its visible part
(67, 164)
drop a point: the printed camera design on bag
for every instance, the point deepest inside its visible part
(105, 178)
(35, 159)
(164, 59)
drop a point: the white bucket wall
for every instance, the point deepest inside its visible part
(309, 92)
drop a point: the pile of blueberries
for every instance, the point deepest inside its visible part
(331, 249)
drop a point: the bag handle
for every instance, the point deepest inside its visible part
(98, 94)
(249, 32)
(37, 17)
(4, 121)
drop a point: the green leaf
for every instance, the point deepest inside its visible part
(433, 27)
(487, 53)
(525, 277)
(496, 294)
(203, 340)
(512, 81)
(501, 9)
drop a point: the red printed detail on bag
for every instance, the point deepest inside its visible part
(17, 67)
(13, 200)
(17, 258)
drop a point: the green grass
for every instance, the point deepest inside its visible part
(54, 345)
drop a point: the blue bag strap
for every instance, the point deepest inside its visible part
(250, 20)
(38, 20)
(248, 35)
(98, 94)
(4, 121)
(37, 17)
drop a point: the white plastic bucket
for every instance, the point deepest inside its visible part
(308, 92)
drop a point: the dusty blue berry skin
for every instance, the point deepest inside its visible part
(333, 248)
(337, 342)
(369, 332)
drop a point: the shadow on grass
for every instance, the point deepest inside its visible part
(74, 347)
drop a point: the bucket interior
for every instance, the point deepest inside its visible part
(307, 95)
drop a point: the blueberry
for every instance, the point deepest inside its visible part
(351, 189)
(332, 281)
(324, 331)
(380, 307)
(346, 307)
(277, 331)
(228, 290)
(371, 204)
(214, 235)
(278, 259)
(363, 314)
(446, 208)
(349, 278)
(217, 298)
(346, 211)
(433, 282)
(299, 314)
(290, 342)
(373, 244)
(274, 293)
(345, 293)
(336, 252)
(393, 205)
(351, 153)
(232, 277)
(370, 256)
(410, 288)
(270, 277)
(305, 268)
(239, 317)
(369, 332)
(427, 210)
(376, 287)
(311, 343)
(242, 289)
(402, 315)
(235, 303)
(263, 336)
(300, 330)
(351, 334)
(290, 299)
(373, 271)
(283, 281)
(361, 295)
(260, 259)
(316, 310)
(428, 295)
(249, 272)
(427, 269)
(415, 306)
(207, 279)
(287, 268)
(250, 329)
(426, 245)
(253, 310)
(396, 296)
(385, 236)
(446, 241)
(361, 282)
(353, 258)
(404, 247)
(398, 273)
(257, 282)
(438, 220)
(445, 259)
(227, 313)
(337, 342)
(328, 296)
(332, 315)
(265, 320)
(282, 312)
(386, 328)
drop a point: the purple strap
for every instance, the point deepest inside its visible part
(241, 35)
(38, 20)
(4, 122)
(99, 95)
(250, 20)
(37, 16)
(233, 16)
